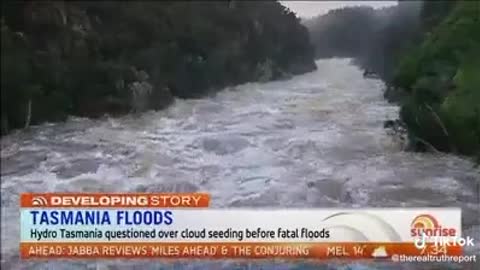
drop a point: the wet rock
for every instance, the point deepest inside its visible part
(388, 123)
(396, 126)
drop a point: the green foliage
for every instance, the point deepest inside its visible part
(442, 77)
(428, 52)
(85, 58)
(461, 109)
(408, 69)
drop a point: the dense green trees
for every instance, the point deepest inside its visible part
(90, 58)
(428, 54)
(441, 77)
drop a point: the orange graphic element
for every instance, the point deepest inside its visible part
(427, 225)
(107, 200)
(224, 250)
(425, 221)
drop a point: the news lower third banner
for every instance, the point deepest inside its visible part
(181, 225)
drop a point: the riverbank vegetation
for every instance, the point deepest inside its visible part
(428, 53)
(62, 58)
(441, 77)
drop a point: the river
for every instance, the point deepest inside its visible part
(316, 140)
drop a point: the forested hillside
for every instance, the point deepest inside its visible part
(428, 54)
(373, 37)
(442, 80)
(62, 58)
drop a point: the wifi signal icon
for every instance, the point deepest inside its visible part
(39, 201)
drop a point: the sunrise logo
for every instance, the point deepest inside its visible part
(427, 225)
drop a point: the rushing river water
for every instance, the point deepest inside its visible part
(316, 140)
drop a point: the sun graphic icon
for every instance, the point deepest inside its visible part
(424, 221)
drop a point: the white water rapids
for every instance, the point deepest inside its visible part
(316, 140)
